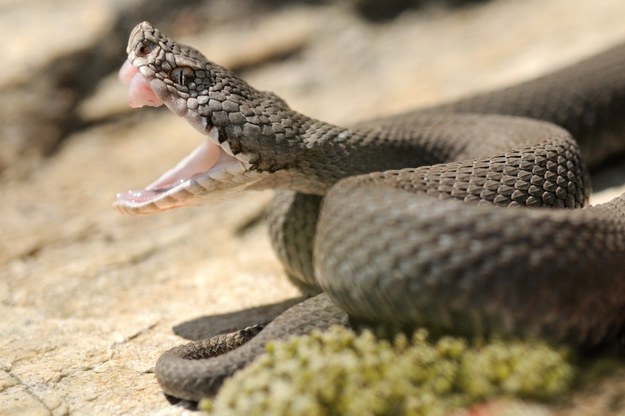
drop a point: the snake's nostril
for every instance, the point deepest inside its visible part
(144, 48)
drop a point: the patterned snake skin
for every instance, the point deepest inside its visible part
(411, 230)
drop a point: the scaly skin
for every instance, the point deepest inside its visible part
(410, 232)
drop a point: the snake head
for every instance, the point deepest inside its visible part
(247, 129)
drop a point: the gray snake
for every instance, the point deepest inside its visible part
(397, 221)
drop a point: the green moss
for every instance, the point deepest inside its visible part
(341, 373)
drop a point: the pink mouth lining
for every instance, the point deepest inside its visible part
(139, 91)
(199, 161)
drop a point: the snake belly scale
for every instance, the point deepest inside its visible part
(416, 219)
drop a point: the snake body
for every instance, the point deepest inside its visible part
(398, 220)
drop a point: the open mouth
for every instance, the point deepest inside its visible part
(209, 167)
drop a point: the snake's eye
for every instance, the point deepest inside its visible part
(182, 75)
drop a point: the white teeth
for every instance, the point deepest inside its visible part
(226, 148)
(213, 135)
(245, 159)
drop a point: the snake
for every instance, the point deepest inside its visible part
(470, 217)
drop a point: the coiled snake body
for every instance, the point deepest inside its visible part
(411, 231)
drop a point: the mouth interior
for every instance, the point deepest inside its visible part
(198, 162)
(139, 91)
(203, 159)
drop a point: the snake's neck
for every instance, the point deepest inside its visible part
(319, 154)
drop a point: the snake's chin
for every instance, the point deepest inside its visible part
(211, 166)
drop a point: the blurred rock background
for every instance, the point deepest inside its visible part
(89, 297)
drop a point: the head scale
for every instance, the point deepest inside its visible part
(254, 123)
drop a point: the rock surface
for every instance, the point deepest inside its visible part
(90, 296)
